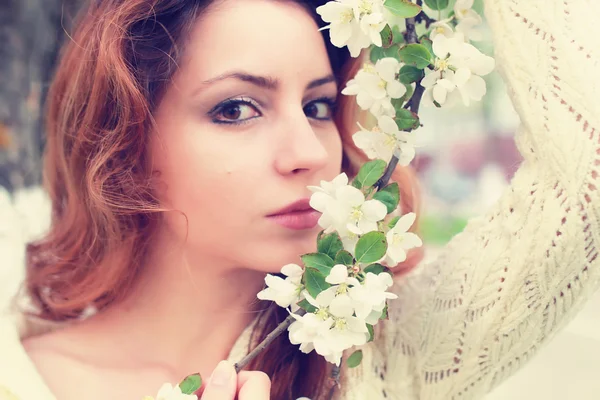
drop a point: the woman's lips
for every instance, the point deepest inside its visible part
(297, 220)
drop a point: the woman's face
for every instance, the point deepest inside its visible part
(245, 126)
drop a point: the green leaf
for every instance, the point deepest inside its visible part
(406, 119)
(397, 35)
(371, 247)
(371, 332)
(410, 74)
(387, 37)
(355, 359)
(370, 173)
(344, 257)
(402, 8)
(330, 244)
(437, 4)
(375, 269)
(393, 222)
(190, 384)
(314, 281)
(416, 55)
(427, 43)
(305, 305)
(387, 199)
(319, 261)
(384, 313)
(377, 53)
(389, 195)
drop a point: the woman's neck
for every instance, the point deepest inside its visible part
(184, 314)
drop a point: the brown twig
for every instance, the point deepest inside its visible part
(411, 37)
(422, 17)
(335, 381)
(267, 341)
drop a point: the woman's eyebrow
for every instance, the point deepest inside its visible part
(265, 82)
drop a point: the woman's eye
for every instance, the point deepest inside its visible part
(235, 111)
(322, 109)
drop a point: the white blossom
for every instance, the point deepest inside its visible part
(470, 29)
(441, 28)
(458, 65)
(463, 10)
(354, 23)
(384, 140)
(345, 209)
(341, 305)
(370, 297)
(351, 211)
(284, 292)
(327, 334)
(438, 84)
(376, 85)
(308, 328)
(323, 198)
(399, 240)
(469, 21)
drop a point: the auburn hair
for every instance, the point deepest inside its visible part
(111, 76)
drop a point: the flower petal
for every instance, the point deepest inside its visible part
(461, 76)
(395, 89)
(387, 68)
(374, 210)
(350, 196)
(337, 275)
(475, 87)
(292, 270)
(439, 93)
(387, 124)
(341, 306)
(405, 222)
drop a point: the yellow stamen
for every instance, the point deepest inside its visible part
(356, 214)
(340, 324)
(322, 313)
(441, 65)
(346, 17)
(365, 7)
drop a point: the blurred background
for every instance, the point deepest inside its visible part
(466, 159)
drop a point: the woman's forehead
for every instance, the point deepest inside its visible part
(266, 37)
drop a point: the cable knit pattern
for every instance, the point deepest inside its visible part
(515, 276)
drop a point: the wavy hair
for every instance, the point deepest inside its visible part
(110, 78)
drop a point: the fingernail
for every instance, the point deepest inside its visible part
(222, 374)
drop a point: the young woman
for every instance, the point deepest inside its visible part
(178, 129)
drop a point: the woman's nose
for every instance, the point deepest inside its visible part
(301, 148)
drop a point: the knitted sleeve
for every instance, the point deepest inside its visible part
(515, 276)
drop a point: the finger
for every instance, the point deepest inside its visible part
(222, 383)
(243, 377)
(254, 385)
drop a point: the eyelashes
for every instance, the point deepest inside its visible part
(243, 110)
(230, 110)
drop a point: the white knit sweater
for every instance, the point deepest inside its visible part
(513, 277)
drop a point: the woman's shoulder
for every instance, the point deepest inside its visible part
(19, 376)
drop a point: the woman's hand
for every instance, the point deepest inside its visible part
(225, 384)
